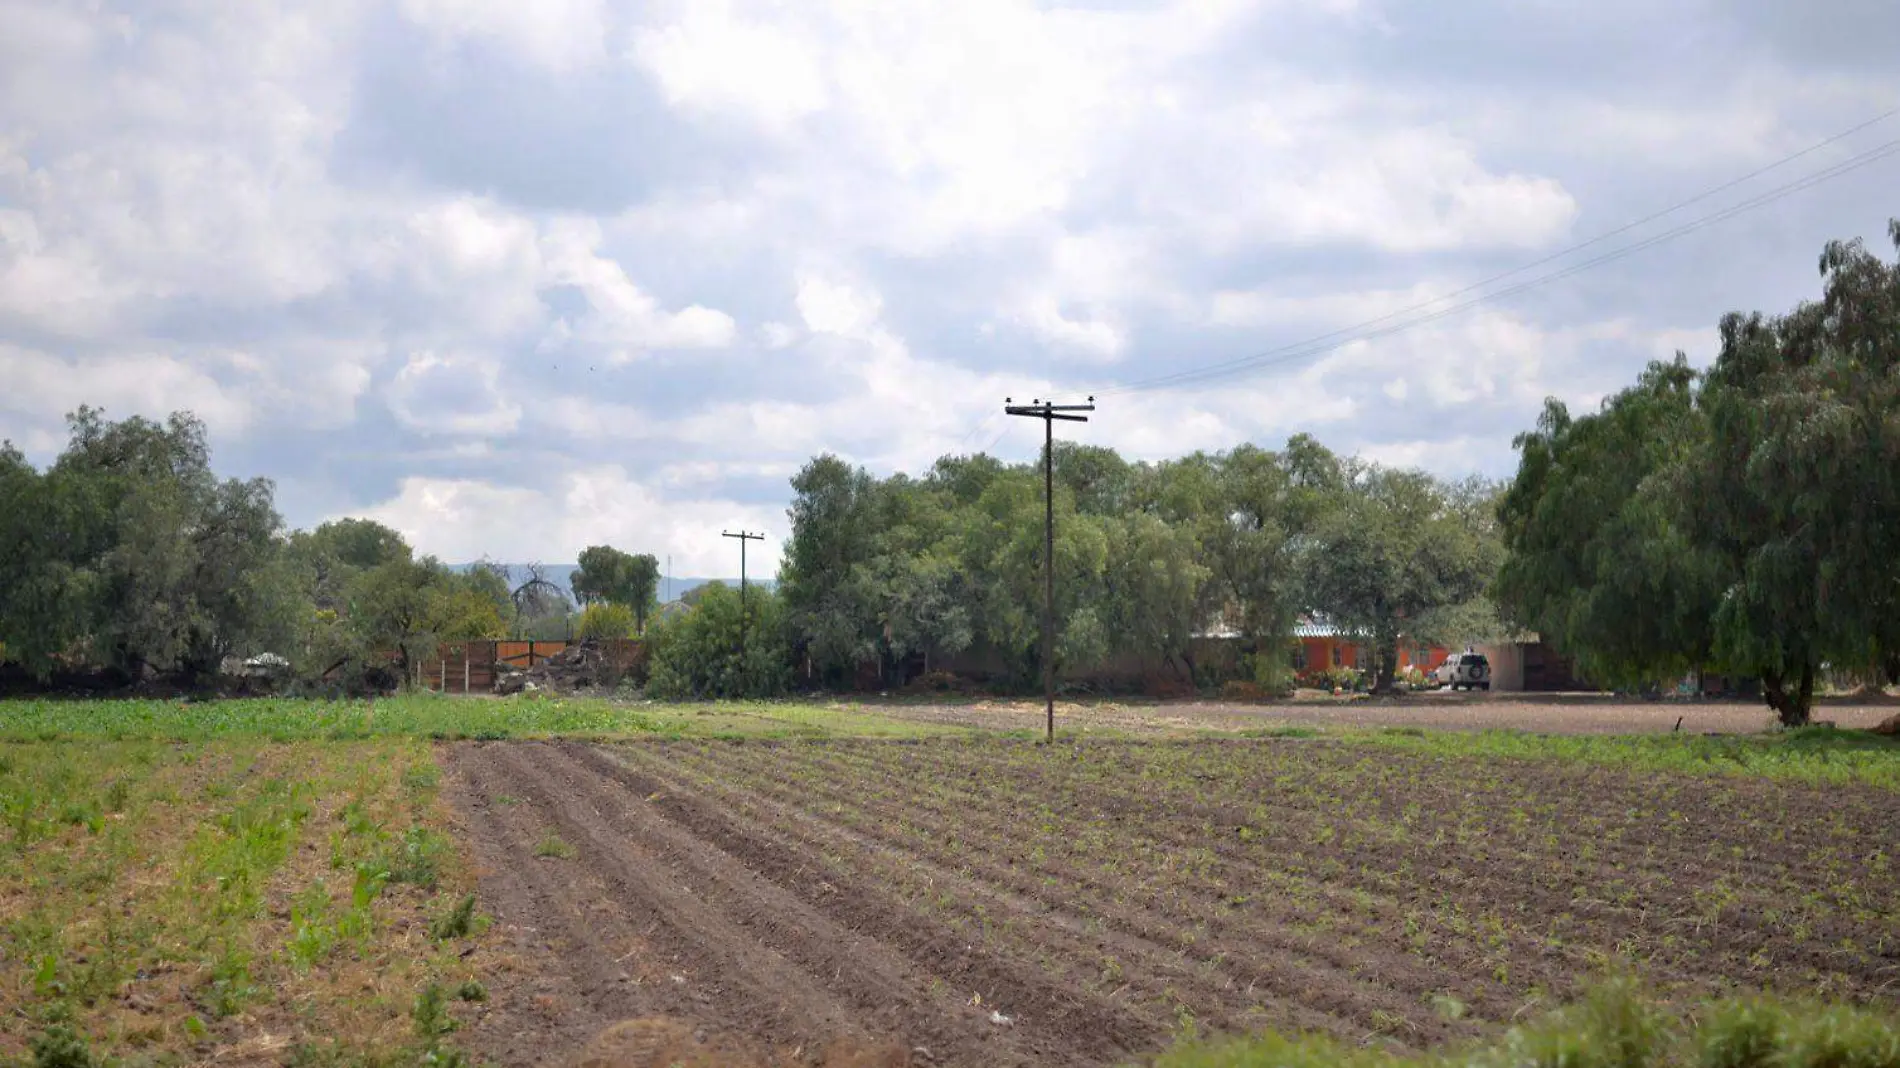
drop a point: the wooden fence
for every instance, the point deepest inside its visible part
(469, 667)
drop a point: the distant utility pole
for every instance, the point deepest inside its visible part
(1049, 412)
(743, 538)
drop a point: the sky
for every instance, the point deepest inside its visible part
(517, 278)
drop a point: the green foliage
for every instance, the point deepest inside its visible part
(128, 550)
(457, 922)
(1388, 552)
(608, 576)
(1599, 560)
(417, 857)
(1746, 519)
(1146, 556)
(59, 1046)
(696, 654)
(1615, 1026)
(554, 846)
(606, 620)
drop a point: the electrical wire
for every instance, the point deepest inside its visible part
(1362, 331)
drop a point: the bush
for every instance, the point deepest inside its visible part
(606, 621)
(1242, 690)
(695, 656)
(1340, 678)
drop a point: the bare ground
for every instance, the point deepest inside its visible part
(986, 903)
(1543, 713)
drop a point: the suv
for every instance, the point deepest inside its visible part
(1465, 671)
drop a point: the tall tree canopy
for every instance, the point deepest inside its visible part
(609, 576)
(130, 552)
(1746, 519)
(1147, 555)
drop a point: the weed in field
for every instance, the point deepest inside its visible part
(457, 922)
(59, 1046)
(553, 846)
(417, 858)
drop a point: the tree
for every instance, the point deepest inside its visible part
(1799, 494)
(1598, 555)
(606, 620)
(1747, 518)
(541, 610)
(1392, 552)
(832, 529)
(696, 655)
(130, 551)
(609, 576)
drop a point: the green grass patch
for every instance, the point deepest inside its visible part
(1816, 754)
(215, 883)
(1614, 1027)
(437, 716)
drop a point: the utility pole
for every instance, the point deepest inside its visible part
(743, 537)
(1049, 412)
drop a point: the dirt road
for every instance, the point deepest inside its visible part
(1551, 714)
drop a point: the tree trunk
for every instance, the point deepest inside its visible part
(1387, 659)
(1792, 707)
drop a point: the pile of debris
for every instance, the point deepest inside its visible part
(588, 666)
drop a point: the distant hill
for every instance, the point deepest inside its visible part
(671, 588)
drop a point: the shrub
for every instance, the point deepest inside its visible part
(1242, 690)
(606, 621)
(696, 655)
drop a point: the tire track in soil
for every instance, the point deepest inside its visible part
(760, 964)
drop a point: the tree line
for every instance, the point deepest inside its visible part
(1744, 518)
(1147, 557)
(128, 554)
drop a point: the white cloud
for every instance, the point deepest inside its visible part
(559, 35)
(779, 229)
(1089, 337)
(715, 60)
(41, 388)
(622, 317)
(464, 519)
(452, 394)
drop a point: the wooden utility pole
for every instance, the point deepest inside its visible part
(1049, 412)
(743, 537)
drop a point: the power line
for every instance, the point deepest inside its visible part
(1360, 331)
(1049, 412)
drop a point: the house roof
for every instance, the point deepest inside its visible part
(1318, 626)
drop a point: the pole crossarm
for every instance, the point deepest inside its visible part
(1049, 412)
(743, 536)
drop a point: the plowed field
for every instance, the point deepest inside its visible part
(996, 903)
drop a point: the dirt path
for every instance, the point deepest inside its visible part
(1543, 713)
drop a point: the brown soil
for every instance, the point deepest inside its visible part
(874, 903)
(1543, 713)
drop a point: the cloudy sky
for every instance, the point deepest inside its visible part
(520, 277)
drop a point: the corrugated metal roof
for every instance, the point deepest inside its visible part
(1310, 629)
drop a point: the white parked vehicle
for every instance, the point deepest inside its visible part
(1464, 671)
